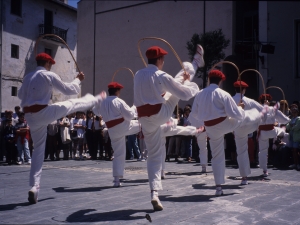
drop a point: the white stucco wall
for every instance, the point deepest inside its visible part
(24, 31)
(118, 31)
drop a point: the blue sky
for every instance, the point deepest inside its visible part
(73, 3)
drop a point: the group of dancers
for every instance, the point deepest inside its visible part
(156, 93)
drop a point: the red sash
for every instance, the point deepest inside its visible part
(213, 122)
(33, 108)
(113, 123)
(148, 110)
(266, 127)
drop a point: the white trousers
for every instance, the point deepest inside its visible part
(117, 135)
(241, 142)
(38, 123)
(179, 130)
(153, 139)
(263, 144)
(216, 134)
(202, 144)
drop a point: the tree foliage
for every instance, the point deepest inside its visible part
(213, 43)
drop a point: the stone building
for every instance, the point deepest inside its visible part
(264, 35)
(22, 22)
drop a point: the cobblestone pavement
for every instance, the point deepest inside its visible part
(82, 192)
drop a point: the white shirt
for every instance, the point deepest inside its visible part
(115, 108)
(249, 103)
(211, 103)
(151, 83)
(274, 115)
(37, 87)
(99, 125)
(80, 132)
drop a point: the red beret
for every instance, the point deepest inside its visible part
(240, 83)
(217, 73)
(268, 97)
(155, 52)
(115, 85)
(44, 56)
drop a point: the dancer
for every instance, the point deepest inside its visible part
(118, 117)
(35, 94)
(154, 110)
(241, 132)
(217, 110)
(268, 130)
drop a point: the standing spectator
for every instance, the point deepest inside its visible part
(64, 124)
(52, 145)
(98, 137)
(132, 145)
(187, 140)
(89, 134)
(143, 148)
(79, 126)
(85, 147)
(16, 113)
(22, 136)
(9, 138)
(293, 127)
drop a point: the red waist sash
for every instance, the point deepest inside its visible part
(113, 123)
(148, 110)
(213, 122)
(33, 108)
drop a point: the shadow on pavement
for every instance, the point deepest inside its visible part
(252, 178)
(191, 198)
(80, 216)
(87, 189)
(203, 186)
(14, 206)
(187, 173)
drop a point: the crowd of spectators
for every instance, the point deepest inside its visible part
(83, 135)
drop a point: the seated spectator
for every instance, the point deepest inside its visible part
(9, 134)
(22, 136)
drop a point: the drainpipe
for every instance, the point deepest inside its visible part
(1, 41)
(94, 69)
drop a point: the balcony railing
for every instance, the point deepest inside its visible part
(53, 30)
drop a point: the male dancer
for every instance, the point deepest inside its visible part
(241, 132)
(35, 94)
(220, 114)
(267, 130)
(154, 110)
(118, 119)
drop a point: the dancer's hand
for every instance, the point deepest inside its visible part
(242, 105)
(80, 76)
(186, 76)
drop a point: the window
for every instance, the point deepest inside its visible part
(297, 48)
(48, 51)
(15, 51)
(16, 7)
(14, 91)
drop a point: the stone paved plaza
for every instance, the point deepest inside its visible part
(82, 192)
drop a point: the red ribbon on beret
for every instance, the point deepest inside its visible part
(45, 57)
(115, 85)
(217, 73)
(155, 52)
(240, 84)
